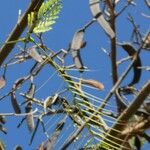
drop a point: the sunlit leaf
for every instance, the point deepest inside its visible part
(46, 16)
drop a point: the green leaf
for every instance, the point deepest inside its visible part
(43, 20)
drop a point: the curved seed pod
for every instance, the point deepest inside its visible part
(137, 72)
(28, 108)
(76, 44)
(15, 103)
(77, 60)
(34, 54)
(97, 14)
(77, 41)
(18, 83)
(93, 83)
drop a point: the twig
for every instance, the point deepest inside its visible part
(136, 128)
(18, 29)
(18, 115)
(126, 115)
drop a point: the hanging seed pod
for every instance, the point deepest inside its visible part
(50, 100)
(137, 63)
(97, 14)
(28, 108)
(18, 83)
(34, 54)
(76, 44)
(93, 83)
(14, 103)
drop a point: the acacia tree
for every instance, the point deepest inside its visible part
(119, 120)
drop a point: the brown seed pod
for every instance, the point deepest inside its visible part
(97, 14)
(34, 54)
(76, 44)
(93, 83)
(28, 108)
(137, 63)
(15, 104)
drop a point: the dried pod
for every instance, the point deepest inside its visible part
(28, 108)
(93, 83)
(2, 82)
(97, 14)
(77, 60)
(34, 54)
(50, 100)
(18, 83)
(76, 44)
(29, 117)
(137, 63)
(15, 104)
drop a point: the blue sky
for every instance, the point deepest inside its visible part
(74, 15)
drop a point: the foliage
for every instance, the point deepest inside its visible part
(43, 20)
(76, 106)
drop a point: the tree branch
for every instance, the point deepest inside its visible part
(113, 134)
(18, 29)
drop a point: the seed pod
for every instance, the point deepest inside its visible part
(50, 100)
(76, 44)
(34, 54)
(77, 60)
(93, 83)
(137, 63)
(97, 14)
(14, 103)
(28, 108)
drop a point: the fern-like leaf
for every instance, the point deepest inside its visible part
(43, 20)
